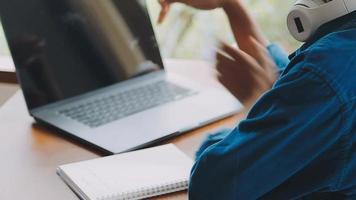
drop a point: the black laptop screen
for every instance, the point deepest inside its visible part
(63, 48)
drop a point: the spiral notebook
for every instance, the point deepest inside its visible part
(134, 175)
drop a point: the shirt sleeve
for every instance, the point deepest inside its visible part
(287, 132)
(279, 56)
(211, 140)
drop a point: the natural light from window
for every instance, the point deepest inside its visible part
(191, 34)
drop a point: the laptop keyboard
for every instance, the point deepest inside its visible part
(107, 109)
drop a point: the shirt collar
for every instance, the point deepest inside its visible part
(343, 23)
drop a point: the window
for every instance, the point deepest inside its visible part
(4, 50)
(188, 33)
(6, 63)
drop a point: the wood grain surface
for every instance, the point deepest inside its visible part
(30, 153)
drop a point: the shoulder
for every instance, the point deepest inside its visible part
(333, 60)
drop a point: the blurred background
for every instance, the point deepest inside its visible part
(191, 34)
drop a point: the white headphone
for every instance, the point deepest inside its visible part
(307, 16)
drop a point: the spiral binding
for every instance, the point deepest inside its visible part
(146, 192)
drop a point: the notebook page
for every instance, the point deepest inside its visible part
(130, 171)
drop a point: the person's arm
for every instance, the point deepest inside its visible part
(290, 144)
(243, 25)
(246, 72)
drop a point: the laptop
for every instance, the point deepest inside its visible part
(92, 69)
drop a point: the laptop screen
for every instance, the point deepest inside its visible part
(64, 48)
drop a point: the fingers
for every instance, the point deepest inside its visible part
(224, 66)
(227, 74)
(165, 5)
(241, 58)
(237, 80)
(241, 63)
(264, 59)
(242, 74)
(259, 62)
(260, 53)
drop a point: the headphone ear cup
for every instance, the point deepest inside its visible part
(307, 16)
(300, 23)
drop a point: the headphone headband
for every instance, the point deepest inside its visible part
(307, 16)
(350, 5)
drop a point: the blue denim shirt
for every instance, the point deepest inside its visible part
(298, 141)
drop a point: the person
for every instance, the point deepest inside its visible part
(298, 139)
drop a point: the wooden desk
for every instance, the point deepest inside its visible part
(30, 154)
(7, 70)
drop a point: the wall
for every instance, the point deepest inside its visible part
(6, 91)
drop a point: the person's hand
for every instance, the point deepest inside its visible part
(246, 75)
(200, 4)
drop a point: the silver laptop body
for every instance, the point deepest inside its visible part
(92, 70)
